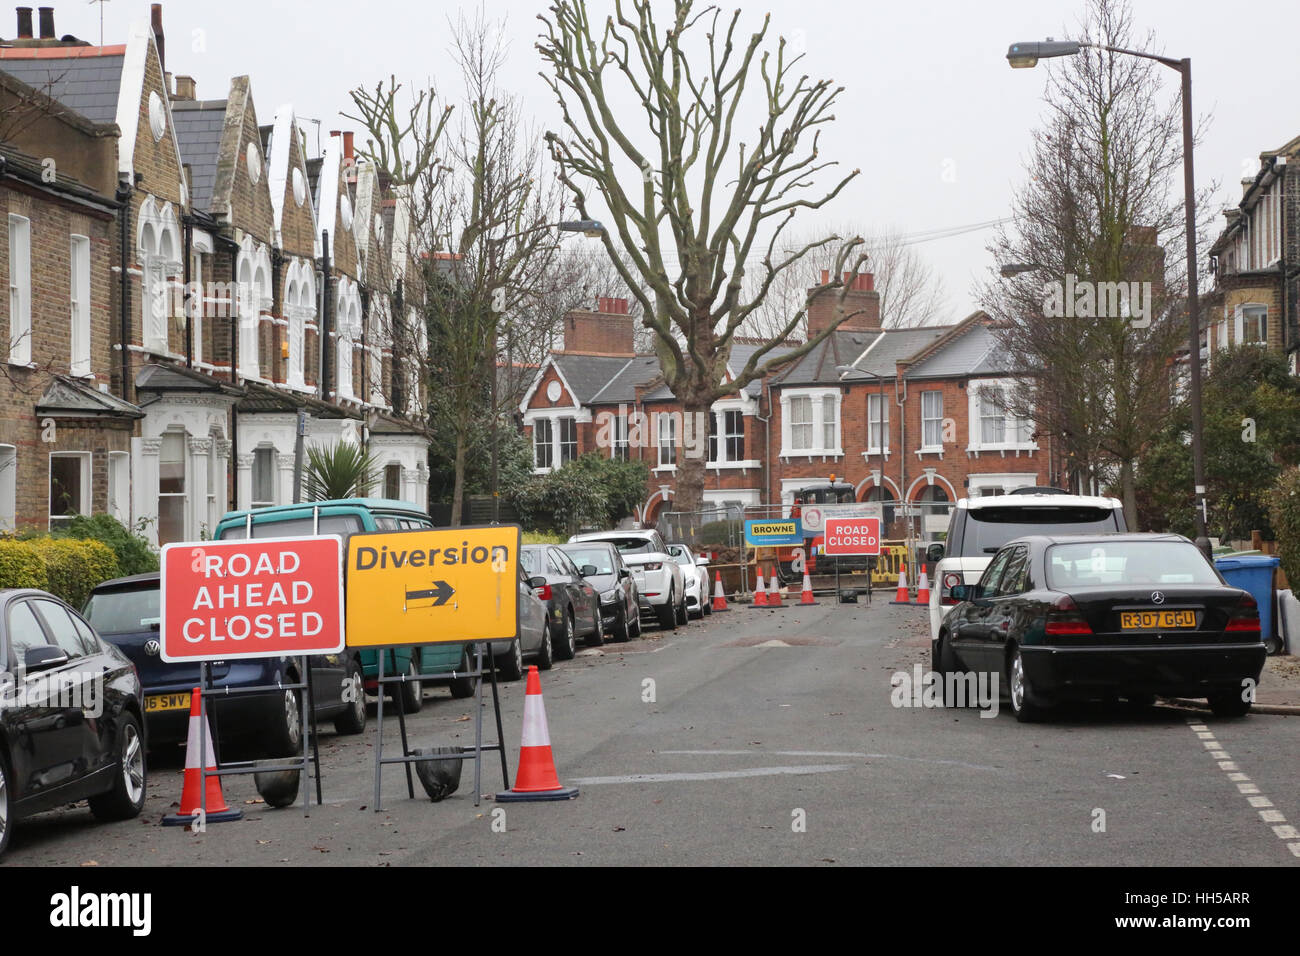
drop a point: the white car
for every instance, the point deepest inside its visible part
(696, 578)
(660, 584)
(978, 527)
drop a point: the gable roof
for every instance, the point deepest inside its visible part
(71, 398)
(973, 349)
(278, 148)
(85, 79)
(586, 375)
(199, 124)
(621, 388)
(880, 359)
(818, 367)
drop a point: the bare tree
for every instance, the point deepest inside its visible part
(692, 206)
(1096, 317)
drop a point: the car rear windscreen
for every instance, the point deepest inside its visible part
(1139, 563)
(599, 558)
(122, 612)
(633, 545)
(988, 529)
(343, 525)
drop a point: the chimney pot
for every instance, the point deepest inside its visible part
(24, 23)
(826, 277)
(47, 23)
(347, 146)
(185, 88)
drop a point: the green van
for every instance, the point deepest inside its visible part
(426, 664)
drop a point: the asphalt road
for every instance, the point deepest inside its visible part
(747, 753)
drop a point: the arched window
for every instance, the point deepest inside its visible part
(247, 312)
(301, 309)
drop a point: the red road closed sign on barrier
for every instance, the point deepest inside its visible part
(852, 536)
(262, 598)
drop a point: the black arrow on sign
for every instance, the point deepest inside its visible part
(440, 592)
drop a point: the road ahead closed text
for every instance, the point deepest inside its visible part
(431, 587)
(259, 598)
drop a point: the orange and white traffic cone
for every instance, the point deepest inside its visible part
(807, 597)
(536, 779)
(901, 596)
(923, 589)
(760, 593)
(216, 810)
(719, 597)
(773, 591)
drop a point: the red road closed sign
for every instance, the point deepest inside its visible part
(267, 597)
(851, 536)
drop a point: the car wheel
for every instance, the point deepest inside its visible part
(1024, 702)
(125, 799)
(667, 614)
(636, 621)
(546, 654)
(6, 812)
(286, 737)
(683, 616)
(512, 667)
(568, 645)
(943, 662)
(462, 687)
(409, 695)
(1228, 703)
(622, 627)
(597, 637)
(353, 718)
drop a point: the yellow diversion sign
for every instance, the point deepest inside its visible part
(433, 586)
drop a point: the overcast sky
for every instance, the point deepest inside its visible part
(931, 113)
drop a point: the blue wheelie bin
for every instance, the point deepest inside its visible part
(1253, 573)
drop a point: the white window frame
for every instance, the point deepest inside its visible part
(20, 290)
(925, 419)
(548, 444)
(1016, 431)
(8, 487)
(79, 305)
(186, 481)
(119, 486)
(662, 446)
(818, 398)
(1247, 313)
(560, 444)
(84, 506)
(264, 452)
(877, 423)
(619, 447)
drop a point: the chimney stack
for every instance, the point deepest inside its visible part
(24, 23)
(185, 88)
(607, 331)
(861, 304)
(348, 155)
(155, 19)
(47, 23)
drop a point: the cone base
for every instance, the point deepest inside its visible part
(908, 603)
(524, 796)
(216, 816)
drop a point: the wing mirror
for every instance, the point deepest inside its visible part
(934, 553)
(44, 658)
(537, 582)
(588, 571)
(624, 574)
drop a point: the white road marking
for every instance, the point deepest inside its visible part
(824, 753)
(713, 775)
(1281, 829)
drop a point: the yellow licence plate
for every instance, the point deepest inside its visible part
(1155, 620)
(155, 703)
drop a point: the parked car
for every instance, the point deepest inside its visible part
(604, 568)
(84, 742)
(127, 612)
(425, 665)
(573, 603)
(535, 640)
(978, 527)
(660, 585)
(1105, 616)
(695, 580)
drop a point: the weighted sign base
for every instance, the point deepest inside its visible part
(524, 796)
(220, 816)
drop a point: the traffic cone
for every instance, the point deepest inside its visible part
(760, 593)
(773, 592)
(536, 779)
(191, 801)
(923, 589)
(901, 596)
(719, 597)
(807, 597)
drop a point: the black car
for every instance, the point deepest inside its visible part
(127, 611)
(71, 715)
(572, 603)
(1105, 616)
(601, 564)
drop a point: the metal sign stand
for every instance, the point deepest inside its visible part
(408, 758)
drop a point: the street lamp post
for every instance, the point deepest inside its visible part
(1025, 55)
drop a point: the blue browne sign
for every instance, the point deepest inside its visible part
(773, 532)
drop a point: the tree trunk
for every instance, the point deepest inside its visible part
(1128, 485)
(458, 493)
(693, 456)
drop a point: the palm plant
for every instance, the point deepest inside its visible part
(342, 470)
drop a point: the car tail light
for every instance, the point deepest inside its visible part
(1065, 619)
(950, 580)
(652, 565)
(544, 592)
(1245, 617)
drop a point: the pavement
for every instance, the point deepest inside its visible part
(761, 737)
